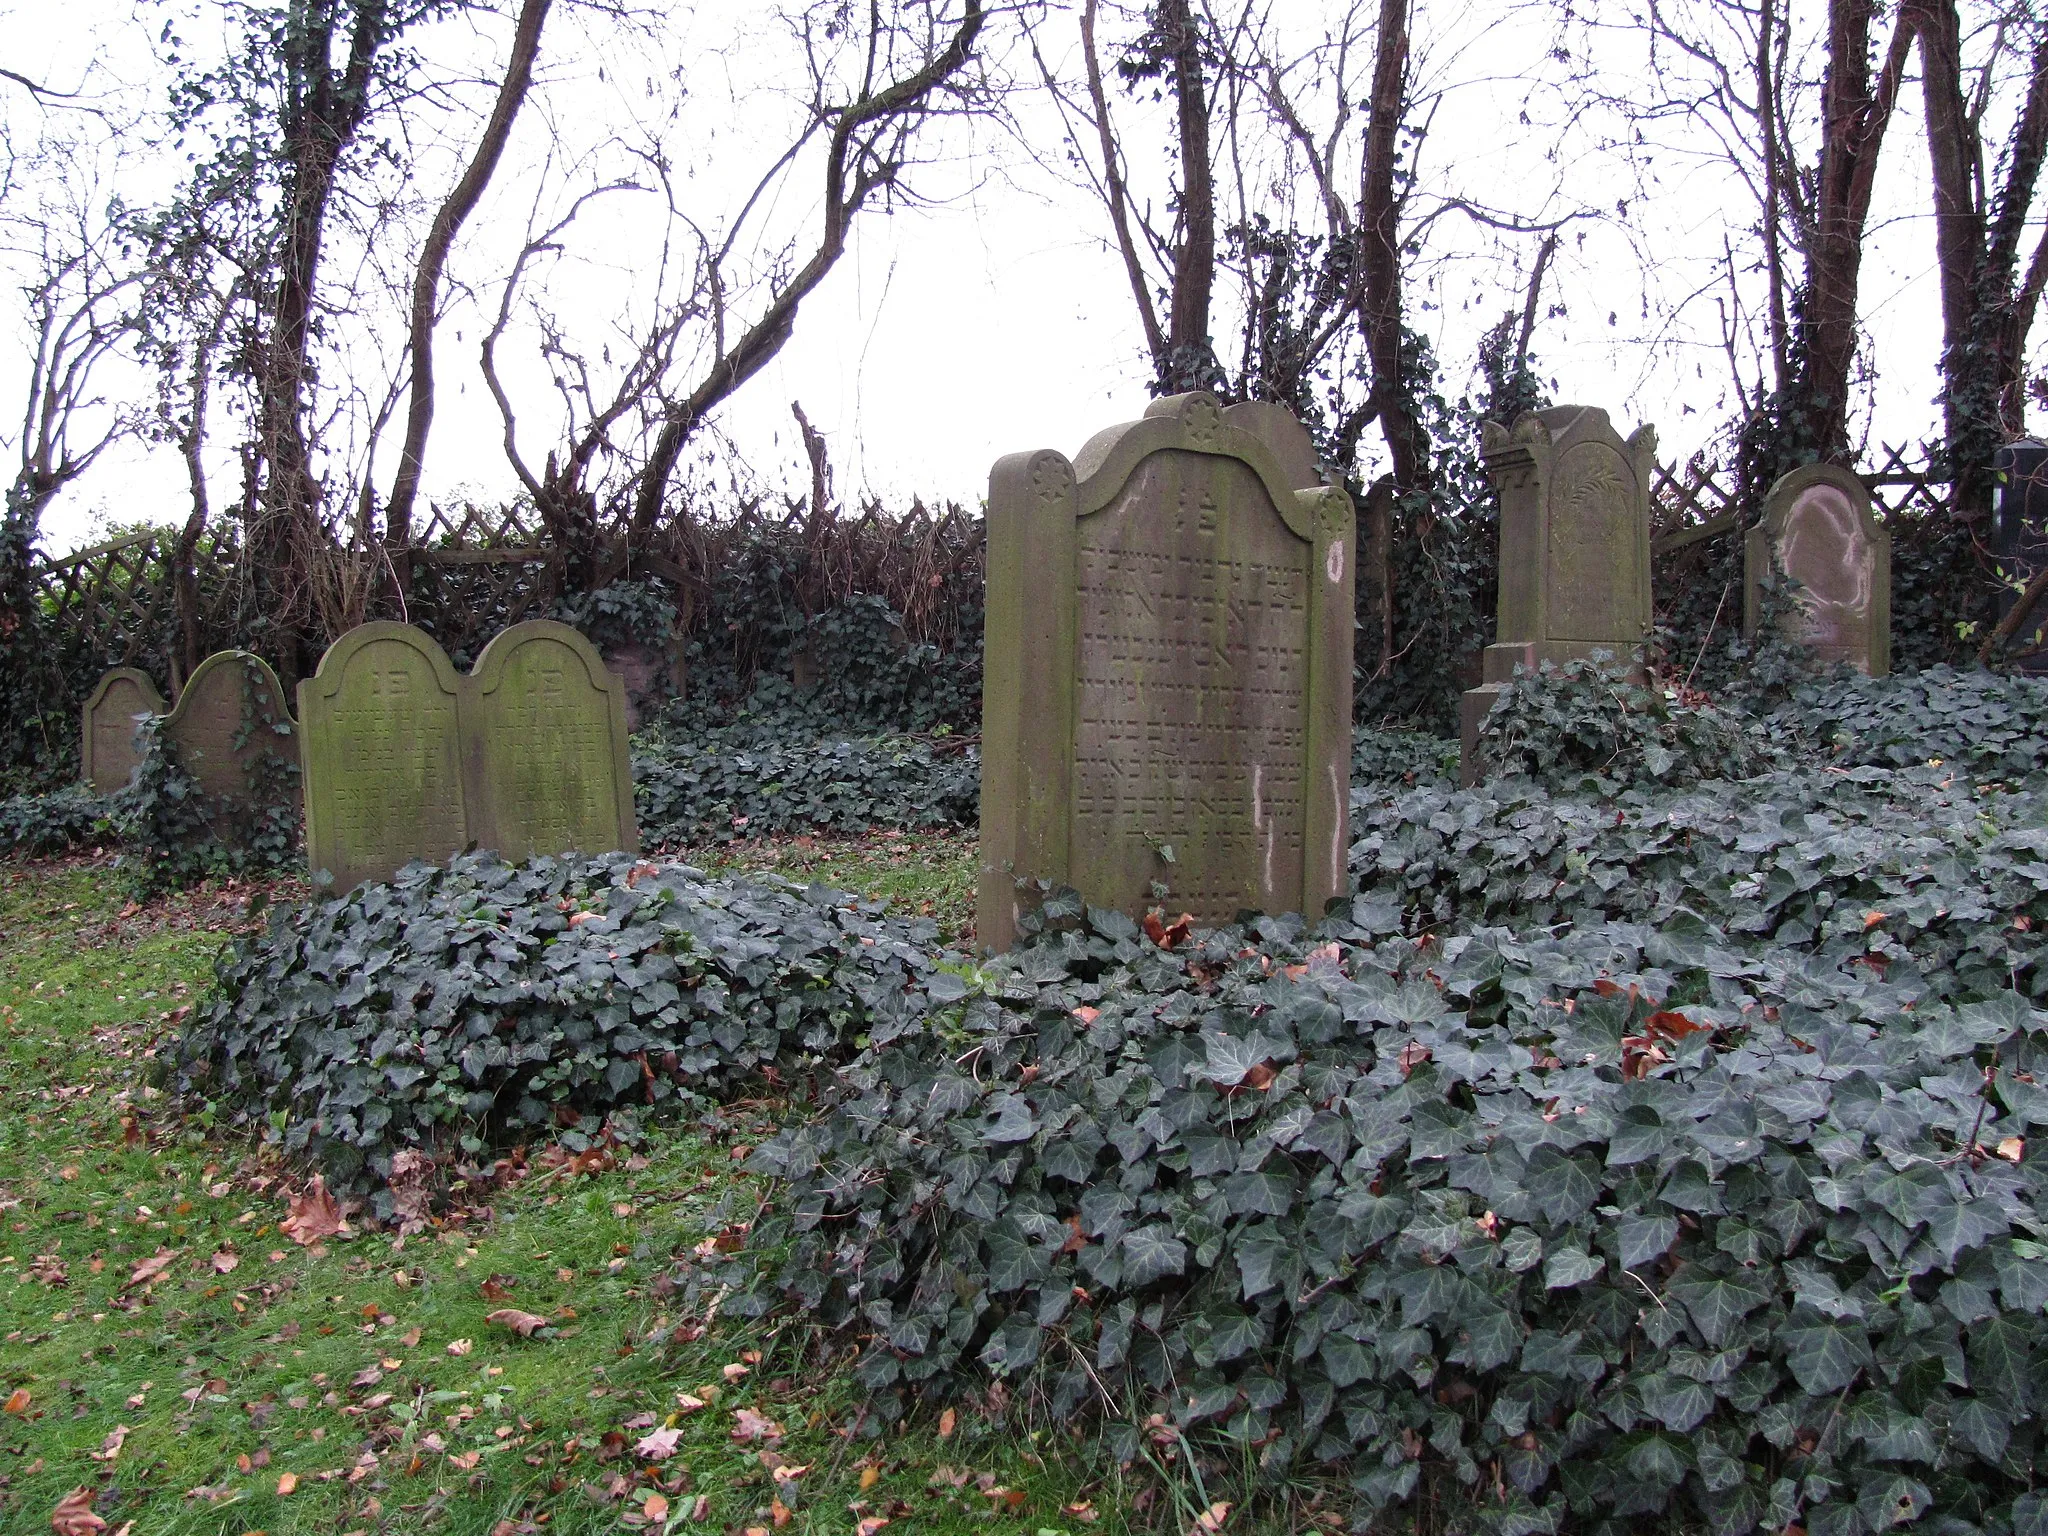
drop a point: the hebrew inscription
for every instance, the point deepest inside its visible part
(545, 718)
(1190, 725)
(1593, 545)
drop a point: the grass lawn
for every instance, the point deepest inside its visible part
(171, 1352)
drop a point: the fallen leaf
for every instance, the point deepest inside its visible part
(869, 1476)
(462, 1461)
(225, 1261)
(287, 1484)
(659, 1444)
(368, 1376)
(410, 1338)
(2011, 1149)
(1082, 1510)
(701, 1509)
(460, 1346)
(522, 1323)
(688, 1402)
(73, 1515)
(749, 1425)
(871, 1524)
(734, 1372)
(111, 1446)
(656, 1507)
(314, 1216)
(1210, 1520)
(17, 1400)
(150, 1268)
(947, 1421)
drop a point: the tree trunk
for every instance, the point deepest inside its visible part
(434, 257)
(1379, 217)
(1190, 361)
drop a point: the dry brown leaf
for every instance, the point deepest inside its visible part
(947, 1421)
(73, 1515)
(225, 1261)
(1082, 1510)
(314, 1216)
(688, 1402)
(410, 1338)
(734, 1372)
(1210, 1520)
(701, 1509)
(18, 1401)
(2012, 1149)
(871, 1524)
(658, 1444)
(656, 1507)
(111, 1446)
(287, 1484)
(150, 1268)
(522, 1323)
(749, 1425)
(869, 1476)
(460, 1346)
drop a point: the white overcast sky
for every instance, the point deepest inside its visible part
(996, 319)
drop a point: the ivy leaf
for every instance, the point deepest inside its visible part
(1824, 1356)
(1149, 1253)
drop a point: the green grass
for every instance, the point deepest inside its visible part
(930, 872)
(249, 1357)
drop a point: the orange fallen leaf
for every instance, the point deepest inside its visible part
(947, 1421)
(17, 1401)
(73, 1515)
(779, 1513)
(656, 1507)
(1209, 1520)
(522, 1323)
(287, 1484)
(410, 1338)
(314, 1216)
(869, 1476)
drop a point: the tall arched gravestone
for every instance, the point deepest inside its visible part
(1167, 693)
(1574, 547)
(1818, 529)
(112, 715)
(548, 750)
(384, 769)
(234, 735)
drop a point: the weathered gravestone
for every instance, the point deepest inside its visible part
(232, 733)
(2019, 541)
(406, 759)
(1574, 548)
(111, 719)
(547, 746)
(384, 769)
(1167, 694)
(1818, 529)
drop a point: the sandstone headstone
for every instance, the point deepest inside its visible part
(384, 761)
(1819, 530)
(112, 716)
(551, 773)
(1574, 547)
(1167, 695)
(235, 737)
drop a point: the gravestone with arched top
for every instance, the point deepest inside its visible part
(1819, 529)
(232, 732)
(1166, 705)
(120, 702)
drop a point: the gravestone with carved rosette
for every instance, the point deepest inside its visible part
(112, 715)
(1167, 694)
(384, 767)
(547, 746)
(1574, 548)
(232, 733)
(1818, 529)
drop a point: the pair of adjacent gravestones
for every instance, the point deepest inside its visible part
(1575, 555)
(401, 757)
(1167, 695)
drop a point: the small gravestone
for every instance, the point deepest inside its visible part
(1818, 529)
(233, 734)
(1574, 548)
(1167, 700)
(547, 746)
(384, 764)
(112, 716)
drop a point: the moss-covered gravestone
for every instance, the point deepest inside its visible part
(232, 734)
(1818, 529)
(406, 759)
(548, 746)
(108, 747)
(1167, 694)
(384, 771)
(1574, 547)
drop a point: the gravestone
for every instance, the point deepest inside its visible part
(1818, 529)
(547, 746)
(108, 747)
(384, 763)
(1167, 696)
(1574, 548)
(2019, 542)
(234, 736)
